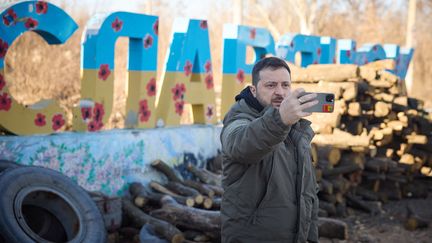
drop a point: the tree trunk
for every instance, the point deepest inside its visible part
(139, 218)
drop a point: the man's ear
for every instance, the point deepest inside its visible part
(253, 90)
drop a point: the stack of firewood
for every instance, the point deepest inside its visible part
(377, 143)
(181, 210)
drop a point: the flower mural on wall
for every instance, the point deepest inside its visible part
(104, 71)
(5, 102)
(240, 76)
(3, 48)
(179, 105)
(151, 87)
(178, 91)
(117, 25)
(187, 68)
(41, 7)
(86, 112)
(156, 27)
(10, 17)
(148, 41)
(31, 23)
(2, 82)
(209, 81)
(57, 122)
(40, 120)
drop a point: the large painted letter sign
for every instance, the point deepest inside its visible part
(189, 75)
(97, 84)
(55, 27)
(236, 73)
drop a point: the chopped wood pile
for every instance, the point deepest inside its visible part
(185, 210)
(375, 146)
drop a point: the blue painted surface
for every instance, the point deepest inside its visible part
(236, 39)
(51, 23)
(308, 46)
(106, 161)
(102, 32)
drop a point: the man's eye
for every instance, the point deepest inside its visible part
(271, 85)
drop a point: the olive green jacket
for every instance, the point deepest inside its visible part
(269, 181)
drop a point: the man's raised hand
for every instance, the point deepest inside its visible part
(291, 108)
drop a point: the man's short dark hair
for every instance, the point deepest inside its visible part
(267, 62)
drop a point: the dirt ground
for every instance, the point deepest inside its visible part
(389, 225)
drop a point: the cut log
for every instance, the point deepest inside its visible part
(332, 228)
(205, 176)
(381, 64)
(332, 72)
(366, 194)
(326, 186)
(142, 196)
(328, 207)
(341, 139)
(329, 153)
(414, 221)
(191, 218)
(202, 188)
(218, 190)
(346, 169)
(162, 228)
(417, 139)
(381, 109)
(357, 203)
(354, 109)
(185, 191)
(166, 170)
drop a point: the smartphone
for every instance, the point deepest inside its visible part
(325, 103)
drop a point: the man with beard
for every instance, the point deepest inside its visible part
(269, 181)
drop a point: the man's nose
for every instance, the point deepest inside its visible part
(279, 90)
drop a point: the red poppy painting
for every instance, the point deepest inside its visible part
(203, 24)
(148, 41)
(5, 102)
(117, 25)
(209, 112)
(151, 87)
(187, 68)
(86, 113)
(94, 126)
(208, 66)
(98, 112)
(143, 106)
(179, 107)
(209, 81)
(156, 27)
(10, 17)
(145, 115)
(3, 48)
(104, 71)
(41, 7)
(31, 23)
(240, 76)
(57, 122)
(2, 82)
(252, 33)
(40, 120)
(178, 91)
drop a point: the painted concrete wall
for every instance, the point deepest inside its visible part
(106, 161)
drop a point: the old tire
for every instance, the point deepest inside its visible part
(42, 205)
(6, 164)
